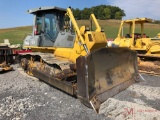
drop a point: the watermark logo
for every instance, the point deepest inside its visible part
(131, 112)
(128, 112)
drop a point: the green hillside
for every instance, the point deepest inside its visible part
(16, 35)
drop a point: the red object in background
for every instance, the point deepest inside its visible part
(22, 51)
(36, 30)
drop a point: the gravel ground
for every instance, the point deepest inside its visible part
(140, 101)
(25, 98)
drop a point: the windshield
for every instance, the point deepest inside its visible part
(50, 24)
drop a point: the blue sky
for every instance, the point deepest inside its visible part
(13, 12)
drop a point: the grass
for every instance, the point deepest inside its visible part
(111, 27)
(15, 35)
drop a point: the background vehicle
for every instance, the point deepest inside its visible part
(148, 48)
(7, 55)
(5, 58)
(76, 60)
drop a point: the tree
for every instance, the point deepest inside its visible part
(101, 15)
(156, 21)
(77, 14)
(119, 15)
(85, 14)
(114, 9)
(107, 13)
(101, 12)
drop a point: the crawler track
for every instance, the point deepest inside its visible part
(50, 69)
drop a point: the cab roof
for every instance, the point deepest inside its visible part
(139, 20)
(35, 10)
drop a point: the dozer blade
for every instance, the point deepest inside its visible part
(104, 73)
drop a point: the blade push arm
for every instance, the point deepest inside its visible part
(70, 14)
(98, 28)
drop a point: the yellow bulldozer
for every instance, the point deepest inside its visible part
(148, 49)
(75, 59)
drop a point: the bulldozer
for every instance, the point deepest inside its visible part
(148, 49)
(75, 59)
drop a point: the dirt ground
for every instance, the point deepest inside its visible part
(25, 98)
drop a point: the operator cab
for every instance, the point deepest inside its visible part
(48, 28)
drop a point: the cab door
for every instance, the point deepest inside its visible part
(50, 29)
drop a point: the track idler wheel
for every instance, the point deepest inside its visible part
(24, 63)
